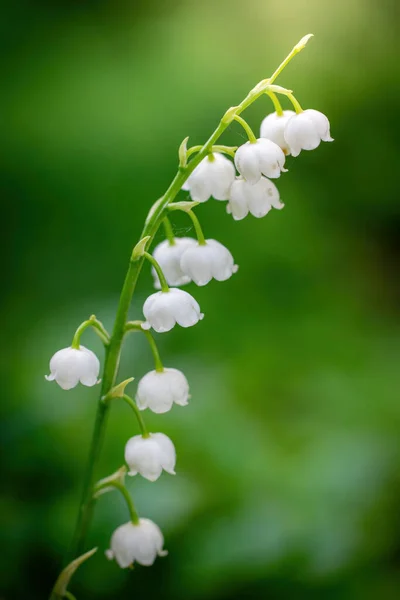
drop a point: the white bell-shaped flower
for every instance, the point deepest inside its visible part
(141, 543)
(273, 126)
(72, 365)
(258, 199)
(204, 262)
(305, 131)
(212, 177)
(159, 390)
(150, 455)
(164, 309)
(262, 157)
(168, 257)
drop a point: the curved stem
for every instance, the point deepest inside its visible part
(113, 350)
(137, 326)
(197, 228)
(215, 148)
(276, 103)
(153, 347)
(296, 103)
(159, 271)
(97, 326)
(121, 488)
(138, 415)
(169, 232)
(247, 128)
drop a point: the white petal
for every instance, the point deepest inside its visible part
(237, 201)
(271, 157)
(264, 198)
(207, 261)
(200, 190)
(301, 134)
(159, 390)
(272, 128)
(123, 542)
(168, 256)
(247, 162)
(167, 452)
(195, 263)
(321, 124)
(143, 455)
(222, 176)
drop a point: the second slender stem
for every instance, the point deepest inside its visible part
(169, 232)
(159, 271)
(197, 228)
(138, 415)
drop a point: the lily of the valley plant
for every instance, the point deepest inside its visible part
(245, 178)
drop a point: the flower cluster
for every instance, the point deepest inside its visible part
(257, 162)
(177, 262)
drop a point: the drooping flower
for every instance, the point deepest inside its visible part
(159, 390)
(262, 157)
(204, 262)
(150, 455)
(212, 177)
(72, 365)
(168, 257)
(273, 126)
(305, 131)
(164, 309)
(258, 199)
(141, 542)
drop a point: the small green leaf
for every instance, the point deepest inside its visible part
(186, 206)
(140, 248)
(106, 484)
(119, 390)
(183, 152)
(60, 588)
(229, 115)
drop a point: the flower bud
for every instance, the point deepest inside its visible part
(140, 542)
(262, 157)
(212, 177)
(164, 309)
(305, 131)
(168, 257)
(160, 390)
(258, 199)
(150, 455)
(273, 126)
(71, 365)
(203, 262)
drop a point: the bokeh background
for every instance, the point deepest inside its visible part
(287, 480)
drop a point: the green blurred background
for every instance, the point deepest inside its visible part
(287, 479)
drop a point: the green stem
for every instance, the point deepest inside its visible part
(215, 148)
(197, 228)
(295, 50)
(137, 326)
(153, 347)
(169, 232)
(159, 271)
(296, 103)
(247, 128)
(121, 488)
(138, 415)
(113, 350)
(69, 596)
(276, 103)
(97, 326)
